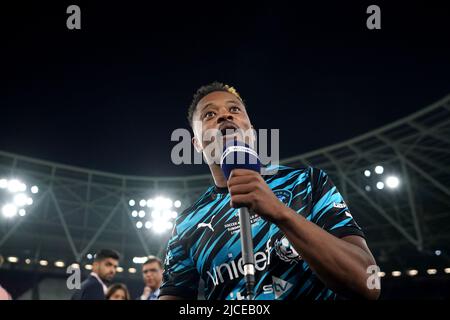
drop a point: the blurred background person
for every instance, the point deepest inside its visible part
(4, 295)
(118, 291)
(103, 271)
(152, 272)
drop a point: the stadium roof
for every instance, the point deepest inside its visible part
(78, 210)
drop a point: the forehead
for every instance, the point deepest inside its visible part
(151, 265)
(110, 261)
(217, 98)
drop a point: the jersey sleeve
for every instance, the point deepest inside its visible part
(180, 276)
(329, 210)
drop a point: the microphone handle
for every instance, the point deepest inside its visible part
(248, 257)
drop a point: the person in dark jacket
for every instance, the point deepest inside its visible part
(103, 271)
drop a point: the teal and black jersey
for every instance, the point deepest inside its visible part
(205, 242)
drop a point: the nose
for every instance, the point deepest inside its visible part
(225, 117)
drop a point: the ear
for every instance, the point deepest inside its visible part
(197, 145)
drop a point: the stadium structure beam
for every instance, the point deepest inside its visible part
(412, 203)
(64, 224)
(100, 230)
(430, 161)
(377, 208)
(19, 223)
(432, 180)
(430, 132)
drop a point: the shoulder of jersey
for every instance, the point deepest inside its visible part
(200, 199)
(286, 170)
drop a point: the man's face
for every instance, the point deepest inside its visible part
(152, 274)
(221, 111)
(106, 268)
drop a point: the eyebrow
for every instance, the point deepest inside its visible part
(211, 103)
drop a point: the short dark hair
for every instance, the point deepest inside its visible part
(105, 254)
(207, 89)
(117, 286)
(152, 259)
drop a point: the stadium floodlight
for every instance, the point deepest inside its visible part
(380, 185)
(162, 203)
(75, 266)
(3, 183)
(27, 261)
(139, 260)
(43, 263)
(161, 226)
(431, 271)
(9, 210)
(379, 169)
(156, 214)
(22, 212)
(367, 173)
(119, 269)
(392, 182)
(89, 256)
(34, 189)
(447, 270)
(29, 201)
(132, 270)
(161, 213)
(368, 188)
(167, 214)
(438, 252)
(132, 203)
(59, 264)
(88, 267)
(396, 273)
(381, 274)
(412, 272)
(13, 259)
(15, 185)
(20, 199)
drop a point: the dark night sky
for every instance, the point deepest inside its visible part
(108, 96)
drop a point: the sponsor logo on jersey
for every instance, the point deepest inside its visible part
(235, 269)
(285, 251)
(284, 196)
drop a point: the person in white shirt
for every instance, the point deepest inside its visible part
(152, 273)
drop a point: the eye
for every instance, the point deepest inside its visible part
(209, 114)
(235, 109)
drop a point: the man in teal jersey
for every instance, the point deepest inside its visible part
(306, 243)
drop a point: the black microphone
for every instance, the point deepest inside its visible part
(238, 155)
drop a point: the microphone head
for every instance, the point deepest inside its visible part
(239, 155)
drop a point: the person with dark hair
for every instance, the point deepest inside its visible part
(118, 291)
(152, 271)
(104, 268)
(307, 245)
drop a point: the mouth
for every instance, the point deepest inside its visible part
(228, 128)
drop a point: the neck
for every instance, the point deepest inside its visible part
(153, 289)
(96, 273)
(217, 173)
